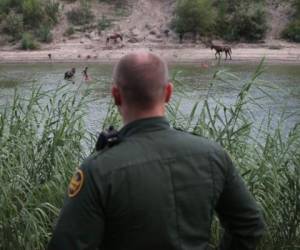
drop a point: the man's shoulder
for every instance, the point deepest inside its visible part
(130, 150)
(197, 140)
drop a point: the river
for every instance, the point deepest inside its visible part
(280, 82)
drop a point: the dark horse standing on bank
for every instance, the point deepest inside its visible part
(220, 49)
(114, 37)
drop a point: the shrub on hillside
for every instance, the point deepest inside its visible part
(196, 16)
(81, 15)
(7, 5)
(44, 34)
(52, 10)
(28, 42)
(33, 12)
(103, 24)
(13, 25)
(292, 32)
(69, 31)
(243, 21)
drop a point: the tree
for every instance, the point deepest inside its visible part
(196, 16)
(32, 12)
(241, 20)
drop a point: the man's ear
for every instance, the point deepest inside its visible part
(168, 92)
(115, 92)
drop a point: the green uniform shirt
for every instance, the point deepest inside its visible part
(157, 189)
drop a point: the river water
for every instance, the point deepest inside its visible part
(280, 82)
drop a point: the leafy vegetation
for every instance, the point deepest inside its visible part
(42, 139)
(103, 24)
(28, 42)
(231, 20)
(69, 31)
(32, 12)
(14, 25)
(40, 147)
(52, 10)
(34, 16)
(44, 34)
(241, 20)
(292, 31)
(196, 16)
(81, 15)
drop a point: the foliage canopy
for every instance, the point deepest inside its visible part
(195, 16)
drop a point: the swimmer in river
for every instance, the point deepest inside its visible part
(85, 74)
(70, 74)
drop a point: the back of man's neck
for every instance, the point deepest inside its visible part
(133, 116)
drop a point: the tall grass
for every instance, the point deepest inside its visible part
(41, 145)
(268, 156)
(40, 141)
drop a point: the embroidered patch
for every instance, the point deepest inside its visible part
(76, 183)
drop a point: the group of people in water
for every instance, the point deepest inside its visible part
(69, 75)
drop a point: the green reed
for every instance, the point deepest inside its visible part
(43, 139)
(40, 144)
(267, 156)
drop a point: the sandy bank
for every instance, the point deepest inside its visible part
(88, 53)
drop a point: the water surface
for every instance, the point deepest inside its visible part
(280, 82)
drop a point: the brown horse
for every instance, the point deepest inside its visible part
(220, 49)
(114, 37)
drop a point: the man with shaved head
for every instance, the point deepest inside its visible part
(141, 86)
(151, 187)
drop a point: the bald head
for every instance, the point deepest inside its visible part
(141, 78)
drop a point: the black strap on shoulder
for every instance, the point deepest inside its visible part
(107, 138)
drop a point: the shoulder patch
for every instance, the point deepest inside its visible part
(76, 183)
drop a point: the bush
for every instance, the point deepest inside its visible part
(103, 24)
(196, 16)
(14, 25)
(243, 21)
(81, 15)
(33, 12)
(69, 31)
(36, 162)
(52, 10)
(44, 34)
(4, 6)
(28, 42)
(7, 5)
(292, 32)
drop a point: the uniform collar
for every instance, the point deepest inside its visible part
(144, 125)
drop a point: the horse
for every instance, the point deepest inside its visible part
(220, 49)
(69, 74)
(114, 37)
(227, 51)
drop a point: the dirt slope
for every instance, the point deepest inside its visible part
(278, 12)
(142, 23)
